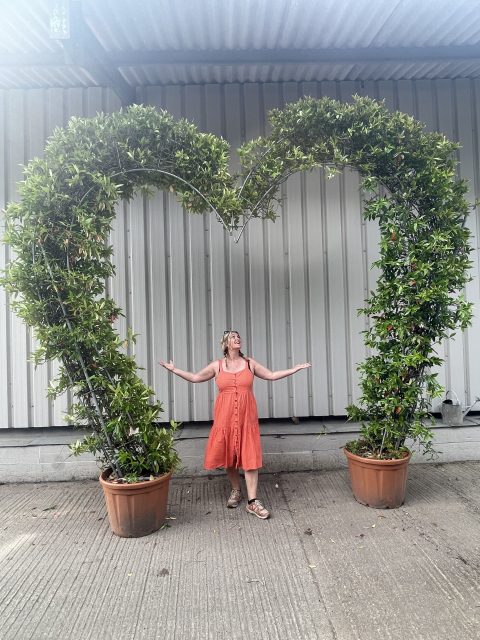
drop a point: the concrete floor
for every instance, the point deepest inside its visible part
(323, 567)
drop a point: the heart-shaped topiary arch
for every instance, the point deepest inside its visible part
(59, 231)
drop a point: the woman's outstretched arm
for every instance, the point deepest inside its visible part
(201, 376)
(264, 373)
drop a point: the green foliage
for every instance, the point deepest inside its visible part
(59, 230)
(424, 246)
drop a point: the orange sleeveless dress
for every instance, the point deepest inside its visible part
(234, 439)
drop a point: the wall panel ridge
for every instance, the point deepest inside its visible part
(291, 288)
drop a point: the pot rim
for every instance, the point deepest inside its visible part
(128, 485)
(387, 462)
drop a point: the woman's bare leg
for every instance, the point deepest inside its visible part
(251, 480)
(234, 477)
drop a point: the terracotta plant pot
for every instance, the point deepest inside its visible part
(138, 509)
(378, 483)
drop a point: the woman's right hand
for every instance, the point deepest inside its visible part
(167, 365)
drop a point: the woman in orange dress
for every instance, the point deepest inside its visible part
(234, 441)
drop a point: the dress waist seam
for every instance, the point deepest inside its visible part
(235, 393)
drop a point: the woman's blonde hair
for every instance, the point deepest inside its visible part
(224, 341)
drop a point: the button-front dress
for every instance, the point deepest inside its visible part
(234, 439)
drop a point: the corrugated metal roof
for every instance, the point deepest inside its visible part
(39, 77)
(205, 41)
(206, 74)
(25, 27)
(282, 24)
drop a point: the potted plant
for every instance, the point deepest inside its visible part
(424, 263)
(59, 232)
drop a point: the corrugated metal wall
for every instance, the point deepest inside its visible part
(291, 288)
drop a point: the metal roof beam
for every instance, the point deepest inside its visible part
(295, 56)
(84, 50)
(84, 56)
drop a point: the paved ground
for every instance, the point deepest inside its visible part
(324, 567)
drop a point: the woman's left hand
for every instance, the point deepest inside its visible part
(306, 365)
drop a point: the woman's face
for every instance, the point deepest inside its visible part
(234, 340)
